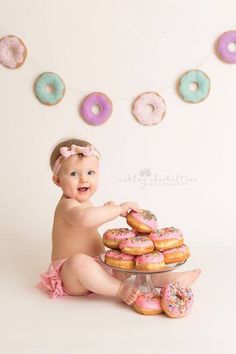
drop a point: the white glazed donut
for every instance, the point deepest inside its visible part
(140, 108)
(12, 52)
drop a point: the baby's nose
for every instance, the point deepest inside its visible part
(83, 177)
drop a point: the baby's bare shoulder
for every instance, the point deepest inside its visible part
(67, 204)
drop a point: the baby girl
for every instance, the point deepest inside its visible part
(75, 267)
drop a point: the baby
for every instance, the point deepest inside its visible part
(76, 268)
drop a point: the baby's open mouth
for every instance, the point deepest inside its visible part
(84, 189)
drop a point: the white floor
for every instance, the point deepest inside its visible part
(31, 323)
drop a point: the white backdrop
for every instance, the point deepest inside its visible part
(122, 48)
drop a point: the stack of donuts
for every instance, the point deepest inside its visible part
(146, 248)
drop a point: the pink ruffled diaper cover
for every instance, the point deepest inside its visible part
(51, 280)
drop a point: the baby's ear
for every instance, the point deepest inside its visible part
(56, 180)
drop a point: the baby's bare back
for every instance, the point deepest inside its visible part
(68, 239)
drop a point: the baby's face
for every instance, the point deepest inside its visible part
(79, 177)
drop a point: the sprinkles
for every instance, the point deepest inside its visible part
(176, 300)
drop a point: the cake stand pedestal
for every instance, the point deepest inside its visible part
(143, 279)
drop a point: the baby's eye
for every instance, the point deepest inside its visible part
(74, 174)
(91, 172)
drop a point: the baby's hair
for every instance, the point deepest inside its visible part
(67, 143)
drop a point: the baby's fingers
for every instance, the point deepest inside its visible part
(136, 208)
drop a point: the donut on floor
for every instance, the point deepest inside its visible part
(166, 238)
(113, 237)
(137, 245)
(13, 52)
(119, 260)
(176, 301)
(150, 261)
(144, 222)
(148, 304)
(176, 255)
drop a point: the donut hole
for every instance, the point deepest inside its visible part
(194, 86)
(149, 108)
(11, 52)
(96, 109)
(49, 88)
(179, 295)
(232, 47)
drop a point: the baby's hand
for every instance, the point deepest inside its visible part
(127, 206)
(109, 203)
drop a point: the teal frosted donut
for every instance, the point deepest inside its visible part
(200, 79)
(49, 88)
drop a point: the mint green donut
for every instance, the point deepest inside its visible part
(56, 85)
(198, 77)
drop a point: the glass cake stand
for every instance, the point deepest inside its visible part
(143, 280)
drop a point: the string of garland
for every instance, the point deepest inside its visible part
(96, 108)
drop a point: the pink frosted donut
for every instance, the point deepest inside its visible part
(137, 245)
(176, 301)
(223, 47)
(118, 259)
(144, 222)
(141, 104)
(12, 52)
(96, 99)
(150, 261)
(148, 304)
(113, 237)
(176, 255)
(166, 238)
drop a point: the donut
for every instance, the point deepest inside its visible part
(150, 261)
(148, 304)
(49, 88)
(176, 255)
(166, 238)
(118, 259)
(194, 77)
(137, 245)
(13, 52)
(222, 47)
(96, 99)
(113, 237)
(176, 301)
(140, 108)
(144, 222)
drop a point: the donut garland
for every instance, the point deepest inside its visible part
(49, 88)
(152, 100)
(222, 49)
(200, 79)
(13, 52)
(102, 102)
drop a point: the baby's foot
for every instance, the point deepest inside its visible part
(127, 293)
(186, 279)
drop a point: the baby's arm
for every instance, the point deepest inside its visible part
(96, 216)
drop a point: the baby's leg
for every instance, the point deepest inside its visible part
(184, 278)
(81, 273)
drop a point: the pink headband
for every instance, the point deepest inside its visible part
(70, 151)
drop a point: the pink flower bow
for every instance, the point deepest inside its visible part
(73, 150)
